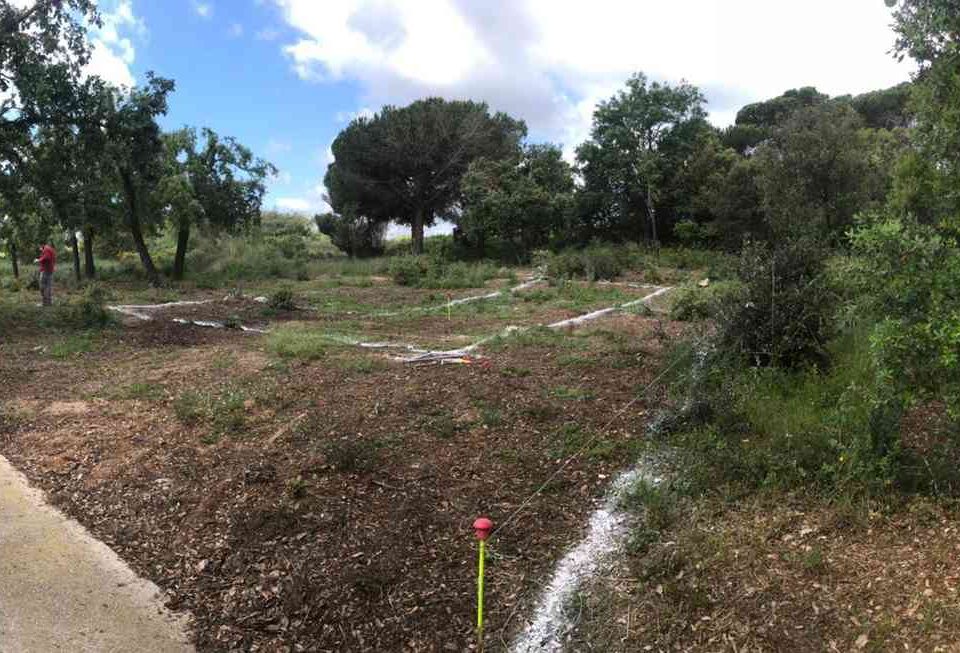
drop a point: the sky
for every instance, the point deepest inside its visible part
(285, 76)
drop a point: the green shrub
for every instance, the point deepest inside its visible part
(908, 280)
(782, 314)
(90, 310)
(282, 300)
(408, 270)
(693, 302)
(189, 407)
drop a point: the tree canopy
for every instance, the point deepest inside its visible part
(405, 164)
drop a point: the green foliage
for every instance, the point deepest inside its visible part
(282, 300)
(90, 311)
(782, 314)
(299, 343)
(406, 163)
(640, 141)
(352, 233)
(526, 203)
(746, 429)
(908, 278)
(593, 263)
(189, 407)
(692, 302)
(430, 272)
(819, 169)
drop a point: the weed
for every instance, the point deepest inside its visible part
(189, 407)
(352, 455)
(361, 365)
(442, 425)
(227, 412)
(72, 346)
(657, 503)
(299, 343)
(296, 487)
(542, 412)
(142, 391)
(813, 561)
(491, 417)
(514, 372)
(282, 300)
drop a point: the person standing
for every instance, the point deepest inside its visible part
(47, 262)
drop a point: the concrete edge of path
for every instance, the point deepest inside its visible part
(64, 590)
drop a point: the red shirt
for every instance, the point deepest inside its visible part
(48, 259)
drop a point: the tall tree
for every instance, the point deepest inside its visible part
(220, 185)
(639, 141)
(524, 202)
(136, 149)
(818, 170)
(405, 164)
(929, 32)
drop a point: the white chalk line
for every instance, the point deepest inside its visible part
(464, 300)
(605, 535)
(439, 356)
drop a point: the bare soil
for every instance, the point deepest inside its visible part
(326, 506)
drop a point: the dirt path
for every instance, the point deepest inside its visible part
(62, 590)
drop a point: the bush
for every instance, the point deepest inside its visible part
(282, 300)
(782, 314)
(691, 302)
(907, 281)
(408, 270)
(90, 311)
(593, 263)
(746, 429)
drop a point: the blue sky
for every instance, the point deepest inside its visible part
(284, 76)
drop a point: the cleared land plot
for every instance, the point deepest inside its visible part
(320, 494)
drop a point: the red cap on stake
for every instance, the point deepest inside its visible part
(482, 527)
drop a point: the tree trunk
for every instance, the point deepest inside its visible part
(13, 259)
(417, 232)
(652, 212)
(133, 221)
(75, 246)
(89, 268)
(183, 236)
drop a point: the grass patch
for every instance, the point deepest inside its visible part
(71, 346)
(141, 391)
(300, 343)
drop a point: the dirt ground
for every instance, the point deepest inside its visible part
(325, 505)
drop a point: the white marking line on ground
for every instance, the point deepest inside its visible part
(211, 324)
(440, 356)
(605, 534)
(464, 300)
(136, 310)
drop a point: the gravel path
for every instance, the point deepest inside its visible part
(62, 590)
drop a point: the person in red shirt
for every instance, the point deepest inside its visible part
(48, 263)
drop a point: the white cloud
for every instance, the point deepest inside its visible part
(112, 50)
(203, 9)
(236, 30)
(297, 204)
(550, 62)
